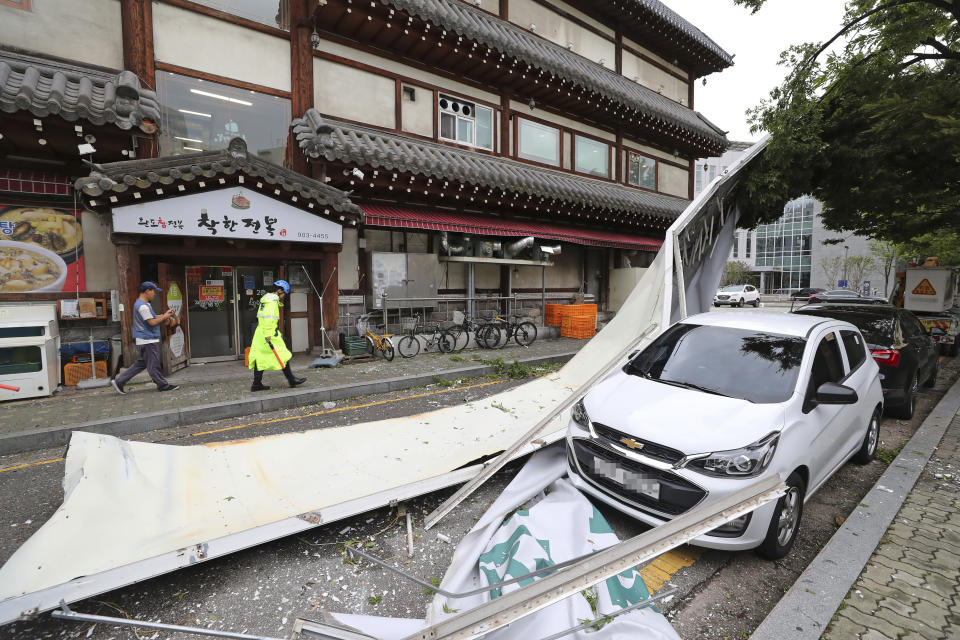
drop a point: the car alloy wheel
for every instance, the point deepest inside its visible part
(869, 446)
(906, 410)
(789, 516)
(785, 522)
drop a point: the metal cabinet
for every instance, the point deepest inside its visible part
(29, 346)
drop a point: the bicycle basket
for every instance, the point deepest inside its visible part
(408, 325)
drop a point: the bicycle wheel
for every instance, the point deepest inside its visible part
(387, 349)
(446, 342)
(491, 337)
(525, 334)
(408, 346)
(371, 346)
(460, 336)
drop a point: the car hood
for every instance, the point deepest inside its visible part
(685, 419)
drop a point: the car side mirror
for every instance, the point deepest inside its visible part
(833, 393)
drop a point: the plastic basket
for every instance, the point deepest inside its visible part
(75, 372)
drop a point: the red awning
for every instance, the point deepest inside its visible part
(400, 218)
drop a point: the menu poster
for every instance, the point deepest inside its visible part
(41, 250)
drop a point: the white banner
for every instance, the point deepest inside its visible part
(226, 213)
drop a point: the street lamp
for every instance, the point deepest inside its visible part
(846, 250)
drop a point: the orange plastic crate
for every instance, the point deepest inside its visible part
(583, 310)
(74, 372)
(578, 327)
(551, 315)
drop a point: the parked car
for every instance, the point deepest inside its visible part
(737, 295)
(806, 293)
(845, 295)
(719, 400)
(908, 356)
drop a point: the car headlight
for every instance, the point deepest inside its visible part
(579, 414)
(748, 461)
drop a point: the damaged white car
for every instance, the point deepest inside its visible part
(718, 400)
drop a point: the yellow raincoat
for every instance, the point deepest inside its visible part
(268, 318)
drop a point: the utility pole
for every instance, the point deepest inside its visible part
(846, 250)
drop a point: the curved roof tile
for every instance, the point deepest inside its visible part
(46, 87)
(339, 141)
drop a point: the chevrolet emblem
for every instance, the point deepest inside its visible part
(630, 442)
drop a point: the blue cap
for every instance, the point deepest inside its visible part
(282, 284)
(147, 286)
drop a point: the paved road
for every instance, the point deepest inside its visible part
(264, 589)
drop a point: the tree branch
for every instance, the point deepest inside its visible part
(917, 57)
(942, 48)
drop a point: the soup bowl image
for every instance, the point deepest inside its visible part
(27, 268)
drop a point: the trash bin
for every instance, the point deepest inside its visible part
(116, 345)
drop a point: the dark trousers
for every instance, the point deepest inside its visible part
(258, 375)
(150, 360)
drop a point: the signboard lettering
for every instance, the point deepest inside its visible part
(211, 294)
(215, 214)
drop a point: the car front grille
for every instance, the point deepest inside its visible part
(723, 297)
(649, 449)
(676, 494)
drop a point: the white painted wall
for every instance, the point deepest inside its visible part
(648, 150)
(99, 254)
(524, 109)
(202, 43)
(388, 64)
(622, 282)
(653, 56)
(673, 180)
(342, 91)
(84, 30)
(654, 78)
(416, 116)
(347, 275)
(555, 28)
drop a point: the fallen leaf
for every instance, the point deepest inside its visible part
(840, 520)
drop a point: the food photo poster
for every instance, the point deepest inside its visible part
(41, 250)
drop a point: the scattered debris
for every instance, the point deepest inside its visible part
(443, 538)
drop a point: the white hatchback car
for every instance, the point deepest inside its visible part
(718, 400)
(737, 295)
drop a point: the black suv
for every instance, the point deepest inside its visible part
(907, 355)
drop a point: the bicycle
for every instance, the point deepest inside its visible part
(461, 330)
(522, 331)
(376, 343)
(409, 345)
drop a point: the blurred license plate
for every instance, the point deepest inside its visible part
(639, 482)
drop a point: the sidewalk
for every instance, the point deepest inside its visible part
(893, 569)
(222, 390)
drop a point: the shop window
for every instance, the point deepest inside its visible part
(593, 157)
(199, 115)
(466, 123)
(643, 172)
(377, 239)
(539, 142)
(417, 242)
(274, 14)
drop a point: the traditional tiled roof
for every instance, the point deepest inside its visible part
(655, 12)
(338, 141)
(118, 177)
(513, 41)
(46, 87)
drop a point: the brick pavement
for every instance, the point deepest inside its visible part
(910, 587)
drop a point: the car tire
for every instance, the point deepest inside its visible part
(739, 305)
(869, 446)
(756, 303)
(932, 380)
(905, 411)
(954, 348)
(785, 522)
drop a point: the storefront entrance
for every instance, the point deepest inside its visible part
(222, 304)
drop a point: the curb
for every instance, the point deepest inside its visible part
(806, 610)
(142, 422)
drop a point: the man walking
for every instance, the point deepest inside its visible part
(146, 330)
(268, 352)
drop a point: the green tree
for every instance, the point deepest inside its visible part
(832, 269)
(942, 244)
(871, 129)
(857, 268)
(736, 272)
(885, 254)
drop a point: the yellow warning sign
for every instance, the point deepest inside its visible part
(924, 289)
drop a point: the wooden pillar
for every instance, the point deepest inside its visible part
(301, 73)
(618, 56)
(505, 125)
(136, 20)
(504, 10)
(128, 270)
(331, 299)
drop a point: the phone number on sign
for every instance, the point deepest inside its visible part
(317, 236)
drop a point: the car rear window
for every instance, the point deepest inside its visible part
(740, 363)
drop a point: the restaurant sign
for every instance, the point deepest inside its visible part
(226, 213)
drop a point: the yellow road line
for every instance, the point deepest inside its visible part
(348, 408)
(30, 464)
(660, 571)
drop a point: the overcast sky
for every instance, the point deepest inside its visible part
(757, 41)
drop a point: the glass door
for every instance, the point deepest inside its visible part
(211, 313)
(252, 283)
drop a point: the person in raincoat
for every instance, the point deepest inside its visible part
(268, 352)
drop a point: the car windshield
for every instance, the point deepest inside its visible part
(740, 363)
(733, 287)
